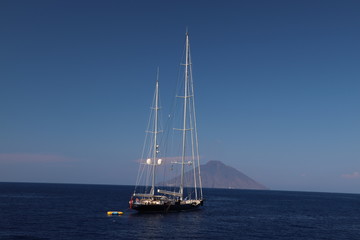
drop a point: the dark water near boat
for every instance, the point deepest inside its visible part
(66, 211)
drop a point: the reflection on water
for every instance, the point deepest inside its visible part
(158, 225)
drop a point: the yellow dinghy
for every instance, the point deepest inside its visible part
(114, 213)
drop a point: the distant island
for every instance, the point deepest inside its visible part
(215, 174)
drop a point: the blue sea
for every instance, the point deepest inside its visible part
(71, 211)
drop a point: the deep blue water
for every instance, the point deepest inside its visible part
(69, 211)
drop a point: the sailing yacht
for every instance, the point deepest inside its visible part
(183, 191)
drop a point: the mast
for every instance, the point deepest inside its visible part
(196, 155)
(186, 79)
(156, 146)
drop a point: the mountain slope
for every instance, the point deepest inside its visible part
(215, 174)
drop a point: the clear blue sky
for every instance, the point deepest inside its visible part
(277, 84)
